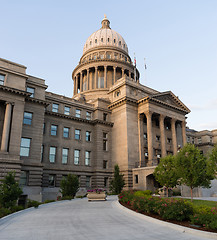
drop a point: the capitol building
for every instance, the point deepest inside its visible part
(111, 119)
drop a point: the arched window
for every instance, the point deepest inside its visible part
(108, 39)
(95, 40)
(114, 40)
(90, 42)
(101, 39)
(119, 43)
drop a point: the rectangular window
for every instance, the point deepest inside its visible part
(23, 178)
(105, 141)
(199, 140)
(31, 90)
(193, 140)
(67, 110)
(51, 180)
(27, 118)
(104, 164)
(55, 107)
(87, 136)
(65, 153)
(169, 140)
(188, 139)
(76, 157)
(168, 126)
(105, 116)
(52, 154)
(210, 140)
(66, 132)
(145, 136)
(25, 147)
(78, 113)
(136, 179)
(2, 79)
(87, 158)
(77, 134)
(88, 184)
(105, 182)
(42, 152)
(53, 130)
(88, 115)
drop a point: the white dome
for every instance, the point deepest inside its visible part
(105, 37)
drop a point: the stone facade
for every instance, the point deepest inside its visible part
(111, 119)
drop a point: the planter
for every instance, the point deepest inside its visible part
(94, 196)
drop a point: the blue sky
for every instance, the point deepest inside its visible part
(178, 38)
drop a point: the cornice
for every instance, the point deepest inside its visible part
(120, 102)
(104, 60)
(14, 90)
(13, 72)
(150, 99)
(36, 100)
(92, 122)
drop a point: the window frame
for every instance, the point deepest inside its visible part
(88, 115)
(76, 134)
(87, 158)
(31, 90)
(65, 156)
(52, 131)
(2, 82)
(22, 147)
(55, 107)
(67, 112)
(54, 180)
(88, 136)
(78, 113)
(76, 156)
(65, 132)
(53, 155)
(27, 120)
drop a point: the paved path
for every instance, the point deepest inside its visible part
(82, 220)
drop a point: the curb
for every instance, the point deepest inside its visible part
(179, 228)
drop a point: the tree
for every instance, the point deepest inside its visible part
(165, 173)
(117, 183)
(9, 190)
(69, 185)
(212, 160)
(193, 168)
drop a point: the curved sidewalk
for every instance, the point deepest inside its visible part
(80, 220)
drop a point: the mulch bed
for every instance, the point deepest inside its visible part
(184, 223)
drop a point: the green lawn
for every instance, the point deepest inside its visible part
(197, 202)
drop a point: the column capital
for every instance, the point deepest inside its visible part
(162, 116)
(173, 120)
(148, 113)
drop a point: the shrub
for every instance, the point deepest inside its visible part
(17, 208)
(69, 185)
(207, 220)
(9, 191)
(117, 183)
(4, 212)
(67, 198)
(126, 196)
(48, 201)
(32, 203)
(143, 193)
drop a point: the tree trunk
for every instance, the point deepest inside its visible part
(167, 192)
(191, 194)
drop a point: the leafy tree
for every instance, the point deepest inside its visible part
(212, 161)
(165, 173)
(69, 185)
(193, 168)
(117, 183)
(9, 191)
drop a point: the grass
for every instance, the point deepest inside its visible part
(199, 203)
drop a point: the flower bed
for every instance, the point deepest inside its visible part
(178, 210)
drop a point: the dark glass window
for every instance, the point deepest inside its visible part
(66, 132)
(2, 79)
(27, 118)
(52, 154)
(77, 134)
(87, 136)
(53, 131)
(25, 147)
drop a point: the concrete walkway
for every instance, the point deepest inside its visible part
(80, 220)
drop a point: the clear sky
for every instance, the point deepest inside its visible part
(178, 38)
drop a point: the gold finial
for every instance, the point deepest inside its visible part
(105, 16)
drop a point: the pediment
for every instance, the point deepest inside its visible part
(170, 99)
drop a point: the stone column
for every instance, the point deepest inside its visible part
(6, 127)
(162, 137)
(114, 69)
(88, 82)
(141, 138)
(122, 72)
(150, 138)
(96, 77)
(174, 139)
(105, 76)
(184, 140)
(74, 86)
(81, 82)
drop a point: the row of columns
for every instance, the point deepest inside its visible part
(6, 127)
(89, 81)
(162, 137)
